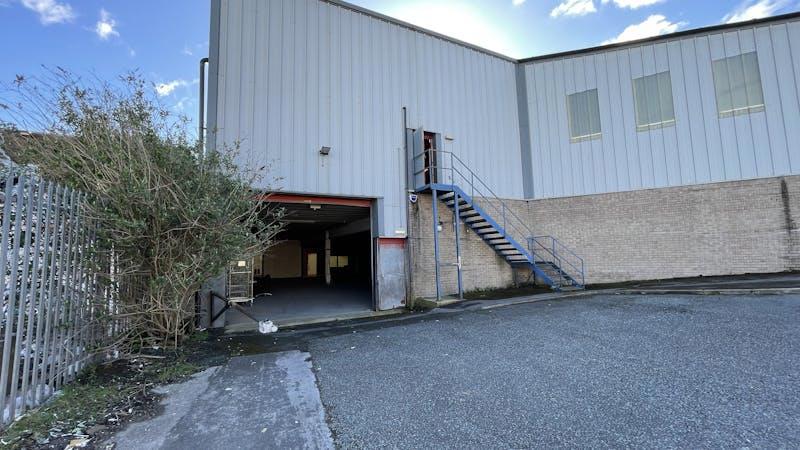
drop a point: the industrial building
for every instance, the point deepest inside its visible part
(674, 156)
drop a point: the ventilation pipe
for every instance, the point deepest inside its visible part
(201, 120)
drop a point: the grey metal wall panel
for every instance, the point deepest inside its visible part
(701, 147)
(294, 75)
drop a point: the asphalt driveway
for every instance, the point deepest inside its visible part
(602, 371)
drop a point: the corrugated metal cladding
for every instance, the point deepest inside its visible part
(296, 75)
(701, 147)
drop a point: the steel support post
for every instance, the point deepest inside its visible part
(457, 224)
(436, 242)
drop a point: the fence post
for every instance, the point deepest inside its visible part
(23, 294)
(9, 313)
(41, 310)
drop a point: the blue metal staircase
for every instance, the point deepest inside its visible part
(494, 221)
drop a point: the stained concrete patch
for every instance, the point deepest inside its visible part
(261, 401)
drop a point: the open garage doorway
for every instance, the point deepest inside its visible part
(320, 267)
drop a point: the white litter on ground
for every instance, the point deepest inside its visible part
(266, 327)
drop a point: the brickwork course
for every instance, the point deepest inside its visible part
(726, 228)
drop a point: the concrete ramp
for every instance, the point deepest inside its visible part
(261, 401)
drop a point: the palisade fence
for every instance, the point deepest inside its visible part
(55, 300)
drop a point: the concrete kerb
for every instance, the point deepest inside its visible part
(756, 291)
(477, 305)
(491, 304)
(565, 295)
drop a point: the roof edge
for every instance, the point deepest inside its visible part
(418, 29)
(663, 37)
(599, 48)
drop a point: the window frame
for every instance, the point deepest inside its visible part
(652, 125)
(741, 110)
(585, 137)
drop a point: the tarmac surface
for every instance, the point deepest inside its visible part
(602, 370)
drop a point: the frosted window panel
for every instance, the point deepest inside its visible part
(653, 97)
(584, 115)
(737, 81)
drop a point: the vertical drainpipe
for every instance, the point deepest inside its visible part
(409, 247)
(201, 119)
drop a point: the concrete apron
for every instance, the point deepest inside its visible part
(288, 323)
(269, 400)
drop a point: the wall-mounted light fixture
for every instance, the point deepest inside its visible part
(324, 151)
(315, 207)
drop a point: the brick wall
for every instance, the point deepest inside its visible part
(712, 229)
(481, 266)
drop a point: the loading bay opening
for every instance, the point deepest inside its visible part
(320, 266)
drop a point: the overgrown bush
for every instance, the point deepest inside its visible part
(168, 214)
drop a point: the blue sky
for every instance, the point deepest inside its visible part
(165, 39)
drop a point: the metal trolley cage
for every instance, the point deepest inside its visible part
(240, 280)
(239, 287)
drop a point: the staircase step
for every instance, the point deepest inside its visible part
(517, 258)
(475, 219)
(481, 226)
(498, 241)
(452, 202)
(491, 236)
(469, 213)
(487, 231)
(505, 246)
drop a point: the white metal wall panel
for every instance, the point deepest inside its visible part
(294, 75)
(701, 147)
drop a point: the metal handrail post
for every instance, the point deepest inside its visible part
(583, 275)
(472, 184)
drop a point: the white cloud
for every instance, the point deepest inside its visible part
(573, 8)
(165, 89)
(187, 51)
(464, 21)
(754, 9)
(517, 2)
(633, 4)
(50, 11)
(105, 26)
(654, 25)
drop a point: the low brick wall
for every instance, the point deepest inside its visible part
(712, 229)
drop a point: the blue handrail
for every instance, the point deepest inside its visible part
(541, 248)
